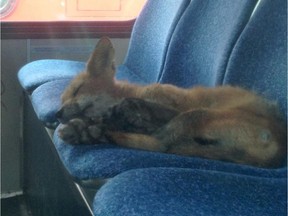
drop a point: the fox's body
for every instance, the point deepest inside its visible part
(224, 123)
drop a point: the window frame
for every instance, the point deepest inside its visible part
(66, 29)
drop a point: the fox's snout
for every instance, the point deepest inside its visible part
(68, 112)
(61, 117)
(59, 114)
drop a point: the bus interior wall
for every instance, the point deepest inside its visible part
(15, 54)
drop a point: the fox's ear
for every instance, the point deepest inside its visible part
(102, 59)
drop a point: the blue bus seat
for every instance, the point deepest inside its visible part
(186, 192)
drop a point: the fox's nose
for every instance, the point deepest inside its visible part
(59, 114)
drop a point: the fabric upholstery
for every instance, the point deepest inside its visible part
(39, 72)
(199, 50)
(259, 59)
(186, 192)
(107, 160)
(149, 40)
(46, 100)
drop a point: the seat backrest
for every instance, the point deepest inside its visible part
(259, 59)
(149, 40)
(203, 40)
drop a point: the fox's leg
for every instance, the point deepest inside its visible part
(140, 124)
(176, 136)
(231, 135)
(131, 123)
(75, 132)
(137, 116)
(189, 133)
(80, 131)
(130, 115)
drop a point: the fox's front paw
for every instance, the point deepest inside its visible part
(76, 132)
(130, 115)
(131, 112)
(135, 115)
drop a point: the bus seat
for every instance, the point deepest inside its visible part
(186, 192)
(39, 72)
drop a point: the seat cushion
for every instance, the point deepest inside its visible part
(46, 100)
(107, 160)
(38, 72)
(186, 192)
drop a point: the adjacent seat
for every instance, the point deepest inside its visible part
(39, 72)
(186, 192)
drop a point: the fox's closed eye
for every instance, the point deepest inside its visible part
(77, 90)
(205, 141)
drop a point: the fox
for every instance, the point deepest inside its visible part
(226, 123)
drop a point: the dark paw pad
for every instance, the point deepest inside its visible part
(138, 116)
(76, 131)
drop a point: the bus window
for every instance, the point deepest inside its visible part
(69, 10)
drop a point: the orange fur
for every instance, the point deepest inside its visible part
(224, 123)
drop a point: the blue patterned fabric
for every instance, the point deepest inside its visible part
(107, 160)
(259, 59)
(149, 40)
(186, 192)
(204, 38)
(46, 100)
(39, 72)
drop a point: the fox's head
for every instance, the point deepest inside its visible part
(97, 79)
(98, 75)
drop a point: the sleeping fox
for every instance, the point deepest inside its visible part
(223, 123)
